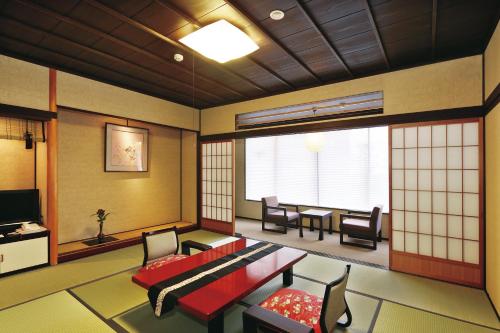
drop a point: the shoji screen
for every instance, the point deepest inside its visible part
(437, 200)
(217, 186)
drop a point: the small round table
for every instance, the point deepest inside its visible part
(316, 214)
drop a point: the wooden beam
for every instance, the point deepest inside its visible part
(275, 40)
(307, 13)
(376, 32)
(198, 25)
(52, 214)
(159, 75)
(14, 111)
(110, 11)
(122, 43)
(434, 27)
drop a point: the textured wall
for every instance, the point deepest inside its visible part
(253, 209)
(135, 199)
(492, 63)
(492, 139)
(23, 84)
(189, 177)
(450, 84)
(17, 167)
(81, 93)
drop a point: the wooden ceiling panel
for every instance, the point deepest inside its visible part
(94, 17)
(78, 35)
(19, 11)
(327, 10)
(160, 19)
(133, 35)
(292, 23)
(197, 8)
(131, 43)
(396, 11)
(260, 9)
(347, 26)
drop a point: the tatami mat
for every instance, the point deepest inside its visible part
(142, 319)
(55, 313)
(26, 286)
(394, 318)
(449, 299)
(113, 295)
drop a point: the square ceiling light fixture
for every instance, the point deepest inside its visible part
(220, 41)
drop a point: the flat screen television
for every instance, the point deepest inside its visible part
(18, 206)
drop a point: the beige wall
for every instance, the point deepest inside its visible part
(17, 172)
(450, 84)
(189, 177)
(252, 209)
(492, 63)
(81, 93)
(23, 84)
(134, 199)
(492, 138)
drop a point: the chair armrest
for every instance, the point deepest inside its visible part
(187, 245)
(278, 208)
(362, 212)
(290, 205)
(353, 216)
(256, 317)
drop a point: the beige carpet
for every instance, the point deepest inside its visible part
(330, 244)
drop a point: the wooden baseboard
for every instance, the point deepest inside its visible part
(438, 269)
(106, 247)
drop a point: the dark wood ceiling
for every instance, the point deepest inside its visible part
(132, 43)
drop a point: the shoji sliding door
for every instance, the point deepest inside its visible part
(217, 186)
(436, 180)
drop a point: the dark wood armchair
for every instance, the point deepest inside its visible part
(274, 212)
(295, 311)
(361, 225)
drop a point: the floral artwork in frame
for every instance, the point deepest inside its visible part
(126, 148)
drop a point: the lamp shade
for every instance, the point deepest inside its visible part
(315, 141)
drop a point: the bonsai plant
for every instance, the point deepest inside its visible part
(101, 217)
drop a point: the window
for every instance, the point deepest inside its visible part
(349, 172)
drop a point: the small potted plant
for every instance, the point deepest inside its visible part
(101, 217)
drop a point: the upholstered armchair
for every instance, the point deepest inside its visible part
(162, 246)
(296, 311)
(274, 212)
(363, 226)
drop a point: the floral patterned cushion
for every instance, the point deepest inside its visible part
(297, 305)
(163, 261)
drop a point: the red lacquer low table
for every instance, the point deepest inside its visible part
(209, 302)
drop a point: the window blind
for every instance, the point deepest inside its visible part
(349, 172)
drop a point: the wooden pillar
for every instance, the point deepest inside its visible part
(52, 218)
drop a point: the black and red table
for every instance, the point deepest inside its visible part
(209, 302)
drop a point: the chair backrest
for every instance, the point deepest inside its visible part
(159, 243)
(376, 217)
(334, 304)
(269, 202)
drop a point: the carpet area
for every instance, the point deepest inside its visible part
(330, 243)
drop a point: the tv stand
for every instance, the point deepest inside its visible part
(23, 252)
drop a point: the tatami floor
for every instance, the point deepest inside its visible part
(96, 294)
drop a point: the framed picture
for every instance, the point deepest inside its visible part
(126, 148)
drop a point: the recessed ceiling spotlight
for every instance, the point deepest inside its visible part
(277, 14)
(178, 57)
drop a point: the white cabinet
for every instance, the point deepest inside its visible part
(23, 254)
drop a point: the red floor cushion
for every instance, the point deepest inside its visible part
(163, 261)
(297, 305)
